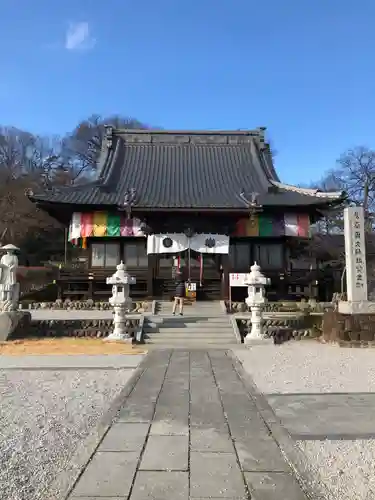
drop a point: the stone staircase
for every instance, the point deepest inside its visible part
(203, 323)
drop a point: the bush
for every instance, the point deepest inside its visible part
(35, 278)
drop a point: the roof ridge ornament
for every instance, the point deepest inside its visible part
(129, 201)
(252, 204)
(108, 135)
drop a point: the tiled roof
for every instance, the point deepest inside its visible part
(183, 170)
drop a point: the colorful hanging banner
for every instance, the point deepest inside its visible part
(87, 225)
(99, 224)
(263, 225)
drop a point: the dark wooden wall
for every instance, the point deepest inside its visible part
(160, 222)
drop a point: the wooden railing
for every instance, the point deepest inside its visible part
(82, 282)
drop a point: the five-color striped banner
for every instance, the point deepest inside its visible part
(276, 225)
(86, 225)
(100, 224)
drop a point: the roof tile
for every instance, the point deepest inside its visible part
(209, 171)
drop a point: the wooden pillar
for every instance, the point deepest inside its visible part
(150, 275)
(286, 271)
(225, 277)
(91, 288)
(59, 285)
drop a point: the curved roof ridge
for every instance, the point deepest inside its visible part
(308, 191)
(252, 132)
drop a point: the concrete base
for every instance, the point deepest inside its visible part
(119, 338)
(361, 307)
(260, 341)
(9, 321)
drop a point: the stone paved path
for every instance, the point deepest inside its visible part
(188, 430)
(326, 416)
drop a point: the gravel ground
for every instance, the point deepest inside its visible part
(309, 367)
(345, 470)
(43, 416)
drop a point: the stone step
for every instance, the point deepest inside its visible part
(184, 336)
(202, 308)
(192, 331)
(194, 308)
(188, 342)
(206, 329)
(189, 310)
(193, 325)
(196, 314)
(192, 345)
(191, 317)
(213, 305)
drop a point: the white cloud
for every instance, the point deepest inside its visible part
(78, 37)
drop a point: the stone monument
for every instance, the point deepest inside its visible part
(121, 302)
(10, 316)
(256, 283)
(9, 287)
(355, 260)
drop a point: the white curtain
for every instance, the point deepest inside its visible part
(75, 227)
(210, 243)
(202, 243)
(291, 225)
(138, 227)
(156, 243)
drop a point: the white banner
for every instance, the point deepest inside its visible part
(75, 227)
(237, 279)
(178, 242)
(210, 243)
(167, 243)
(291, 225)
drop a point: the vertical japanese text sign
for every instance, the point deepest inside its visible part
(355, 254)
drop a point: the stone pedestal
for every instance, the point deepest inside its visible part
(10, 320)
(256, 323)
(119, 322)
(357, 307)
(9, 296)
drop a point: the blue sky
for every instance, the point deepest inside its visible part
(302, 68)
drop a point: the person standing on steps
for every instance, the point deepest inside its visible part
(179, 294)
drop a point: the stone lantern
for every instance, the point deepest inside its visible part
(120, 301)
(256, 283)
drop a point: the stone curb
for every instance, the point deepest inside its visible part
(223, 306)
(292, 455)
(154, 304)
(236, 330)
(139, 333)
(66, 479)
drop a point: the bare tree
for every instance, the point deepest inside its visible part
(331, 221)
(356, 175)
(82, 147)
(25, 162)
(24, 154)
(32, 162)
